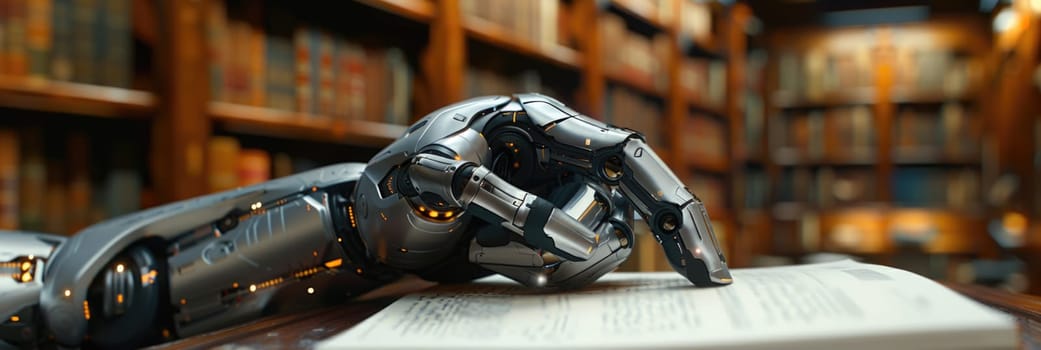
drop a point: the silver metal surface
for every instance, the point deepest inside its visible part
(264, 250)
(76, 263)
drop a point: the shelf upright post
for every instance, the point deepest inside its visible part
(737, 18)
(182, 126)
(593, 82)
(444, 61)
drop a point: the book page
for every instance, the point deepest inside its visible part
(843, 304)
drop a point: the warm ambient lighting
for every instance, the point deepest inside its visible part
(68, 293)
(120, 268)
(310, 290)
(1014, 223)
(1005, 20)
(15, 318)
(252, 288)
(1035, 5)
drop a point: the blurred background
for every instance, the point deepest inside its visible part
(905, 133)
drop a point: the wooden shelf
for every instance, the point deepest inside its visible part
(716, 166)
(644, 84)
(904, 95)
(74, 98)
(704, 107)
(304, 127)
(494, 34)
(638, 9)
(417, 10)
(929, 156)
(844, 97)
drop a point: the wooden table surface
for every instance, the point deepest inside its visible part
(302, 329)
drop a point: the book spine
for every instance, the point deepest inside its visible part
(351, 79)
(302, 47)
(314, 66)
(84, 14)
(17, 59)
(9, 179)
(376, 81)
(279, 74)
(61, 63)
(119, 53)
(341, 80)
(397, 109)
(217, 48)
(256, 63)
(33, 184)
(326, 74)
(237, 78)
(254, 166)
(101, 45)
(222, 163)
(38, 36)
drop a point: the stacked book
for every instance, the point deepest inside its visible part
(83, 41)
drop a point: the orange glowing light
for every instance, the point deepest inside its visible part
(333, 263)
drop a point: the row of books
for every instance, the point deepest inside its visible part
(930, 132)
(815, 73)
(840, 133)
(543, 23)
(482, 82)
(63, 184)
(694, 18)
(628, 109)
(911, 187)
(230, 165)
(827, 186)
(704, 81)
(634, 56)
(704, 139)
(935, 187)
(277, 62)
(937, 71)
(84, 41)
(756, 189)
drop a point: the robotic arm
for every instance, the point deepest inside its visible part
(522, 186)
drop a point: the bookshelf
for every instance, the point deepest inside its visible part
(197, 68)
(865, 145)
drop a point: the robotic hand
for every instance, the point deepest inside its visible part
(522, 186)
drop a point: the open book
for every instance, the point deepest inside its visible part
(842, 305)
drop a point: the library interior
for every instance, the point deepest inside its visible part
(897, 132)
